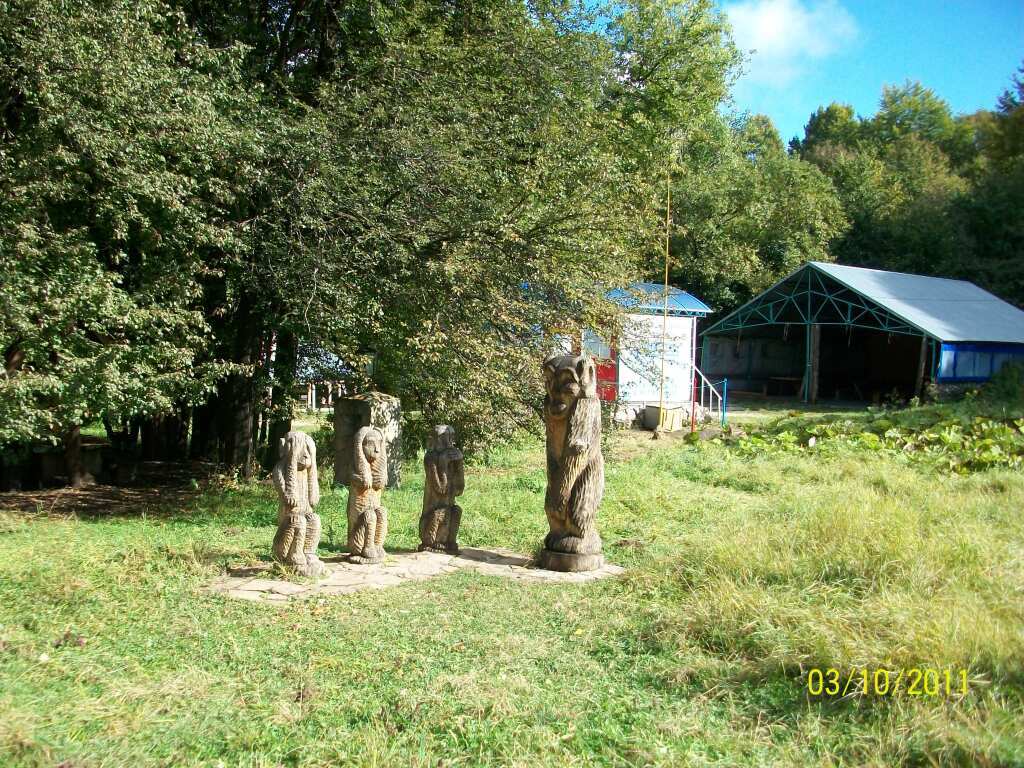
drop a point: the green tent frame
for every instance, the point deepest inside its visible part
(810, 297)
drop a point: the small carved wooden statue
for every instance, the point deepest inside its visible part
(446, 479)
(367, 518)
(298, 526)
(575, 467)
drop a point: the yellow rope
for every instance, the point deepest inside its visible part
(664, 319)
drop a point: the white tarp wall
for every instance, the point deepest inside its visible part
(640, 361)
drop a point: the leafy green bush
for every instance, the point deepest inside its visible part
(982, 432)
(1007, 385)
(323, 437)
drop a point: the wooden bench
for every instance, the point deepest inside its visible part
(782, 381)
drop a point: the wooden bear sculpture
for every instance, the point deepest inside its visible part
(367, 518)
(575, 467)
(446, 479)
(298, 526)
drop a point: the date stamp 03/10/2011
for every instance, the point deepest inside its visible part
(864, 681)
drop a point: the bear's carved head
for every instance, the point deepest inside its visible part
(567, 378)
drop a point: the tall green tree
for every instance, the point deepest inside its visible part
(912, 109)
(991, 227)
(464, 176)
(423, 192)
(834, 125)
(744, 212)
(1002, 133)
(926, 191)
(116, 149)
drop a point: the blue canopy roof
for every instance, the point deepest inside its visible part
(834, 294)
(649, 299)
(947, 310)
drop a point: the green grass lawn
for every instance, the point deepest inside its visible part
(745, 572)
(752, 411)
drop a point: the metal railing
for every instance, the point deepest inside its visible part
(709, 398)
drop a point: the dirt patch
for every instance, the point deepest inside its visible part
(262, 583)
(627, 444)
(160, 486)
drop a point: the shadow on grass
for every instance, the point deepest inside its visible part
(494, 558)
(340, 554)
(750, 689)
(179, 492)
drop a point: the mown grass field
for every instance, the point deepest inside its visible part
(746, 571)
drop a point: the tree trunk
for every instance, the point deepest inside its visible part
(123, 438)
(237, 395)
(14, 356)
(242, 450)
(180, 446)
(78, 477)
(262, 392)
(921, 364)
(152, 448)
(261, 432)
(165, 437)
(202, 445)
(285, 360)
(235, 399)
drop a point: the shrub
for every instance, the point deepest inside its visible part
(980, 433)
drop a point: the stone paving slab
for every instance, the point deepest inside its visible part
(259, 583)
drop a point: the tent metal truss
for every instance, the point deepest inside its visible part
(809, 298)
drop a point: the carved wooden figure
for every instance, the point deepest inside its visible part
(298, 526)
(446, 479)
(367, 518)
(575, 467)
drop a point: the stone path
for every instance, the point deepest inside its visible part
(261, 584)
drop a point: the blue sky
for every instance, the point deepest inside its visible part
(812, 52)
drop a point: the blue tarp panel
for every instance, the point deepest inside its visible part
(963, 362)
(649, 298)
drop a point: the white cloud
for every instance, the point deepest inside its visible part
(788, 36)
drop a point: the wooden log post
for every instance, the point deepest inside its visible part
(921, 362)
(815, 360)
(78, 475)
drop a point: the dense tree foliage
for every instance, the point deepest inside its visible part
(924, 190)
(117, 136)
(913, 110)
(744, 212)
(992, 228)
(421, 192)
(200, 200)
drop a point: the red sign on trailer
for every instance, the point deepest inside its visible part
(608, 376)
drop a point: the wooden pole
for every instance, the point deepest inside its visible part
(693, 404)
(807, 363)
(807, 342)
(664, 318)
(815, 360)
(919, 384)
